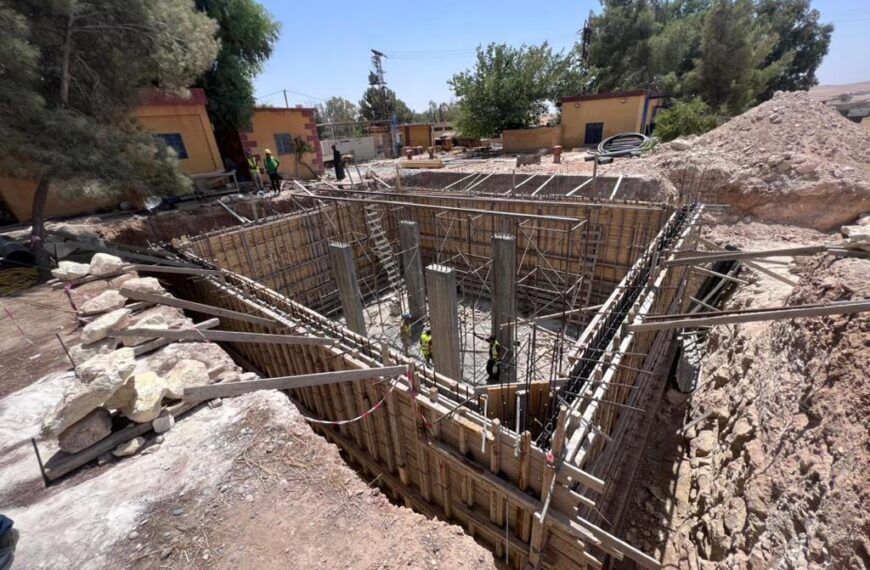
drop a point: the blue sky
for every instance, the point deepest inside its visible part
(324, 47)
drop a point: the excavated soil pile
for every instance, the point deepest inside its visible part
(789, 160)
(774, 473)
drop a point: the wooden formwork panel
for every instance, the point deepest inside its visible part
(432, 459)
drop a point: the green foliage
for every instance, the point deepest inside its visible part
(379, 104)
(509, 88)
(438, 113)
(732, 53)
(70, 74)
(685, 118)
(801, 40)
(337, 110)
(247, 35)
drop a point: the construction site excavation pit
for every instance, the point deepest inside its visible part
(539, 466)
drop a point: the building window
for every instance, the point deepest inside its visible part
(175, 141)
(284, 143)
(594, 133)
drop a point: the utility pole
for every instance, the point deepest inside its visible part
(376, 78)
(286, 103)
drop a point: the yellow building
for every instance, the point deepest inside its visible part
(589, 119)
(276, 129)
(183, 123)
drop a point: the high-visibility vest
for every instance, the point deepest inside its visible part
(271, 164)
(406, 330)
(252, 164)
(426, 344)
(494, 347)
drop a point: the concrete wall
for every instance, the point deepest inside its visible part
(618, 113)
(298, 121)
(167, 114)
(524, 140)
(362, 148)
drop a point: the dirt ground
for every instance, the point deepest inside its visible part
(773, 472)
(241, 485)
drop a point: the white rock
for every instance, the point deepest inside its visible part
(163, 423)
(116, 282)
(81, 353)
(106, 301)
(99, 329)
(144, 395)
(105, 264)
(188, 373)
(142, 285)
(87, 431)
(154, 322)
(98, 380)
(704, 443)
(69, 270)
(129, 448)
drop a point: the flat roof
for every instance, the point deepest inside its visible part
(613, 95)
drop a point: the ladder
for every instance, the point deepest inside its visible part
(382, 247)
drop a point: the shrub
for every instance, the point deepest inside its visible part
(685, 118)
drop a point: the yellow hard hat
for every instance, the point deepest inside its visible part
(267, 151)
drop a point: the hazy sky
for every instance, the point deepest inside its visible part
(324, 46)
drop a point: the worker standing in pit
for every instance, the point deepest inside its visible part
(493, 363)
(338, 163)
(407, 332)
(271, 163)
(426, 345)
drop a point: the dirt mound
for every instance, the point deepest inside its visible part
(789, 160)
(772, 472)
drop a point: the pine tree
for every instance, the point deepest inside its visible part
(77, 68)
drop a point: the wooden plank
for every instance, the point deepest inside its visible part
(221, 336)
(768, 315)
(710, 273)
(734, 255)
(200, 308)
(209, 391)
(573, 191)
(752, 264)
(147, 267)
(126, 254)
(147, 347)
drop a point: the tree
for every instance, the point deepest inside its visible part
(685, 118)
(77, 68)
(247, 34)
(376, 101)
(338, 110)
(618, 49)
(509, 88)
(800, 37)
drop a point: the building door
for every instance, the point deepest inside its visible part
(594, 132)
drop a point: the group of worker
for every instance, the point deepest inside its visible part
(270, 164)
(494, 356)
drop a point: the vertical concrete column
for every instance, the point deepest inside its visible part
(504, 300)
(441, 283)
(412, 265)
(344, 275)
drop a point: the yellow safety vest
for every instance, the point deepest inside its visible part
(406, 330)
(252, 164)
(494, 351)
(426, 344)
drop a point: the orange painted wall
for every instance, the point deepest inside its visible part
(619, 114)
(18, 196)
(522, 140)
(298, 121)
(192, 123)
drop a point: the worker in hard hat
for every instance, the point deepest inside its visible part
(493, 363)
(254, 168)
(426, 345)
(407, 332)
(271, 163)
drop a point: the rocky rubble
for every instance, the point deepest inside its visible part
(774, 474)
(790, 160)
(110, 382)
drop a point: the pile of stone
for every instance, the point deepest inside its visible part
(111, 387)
